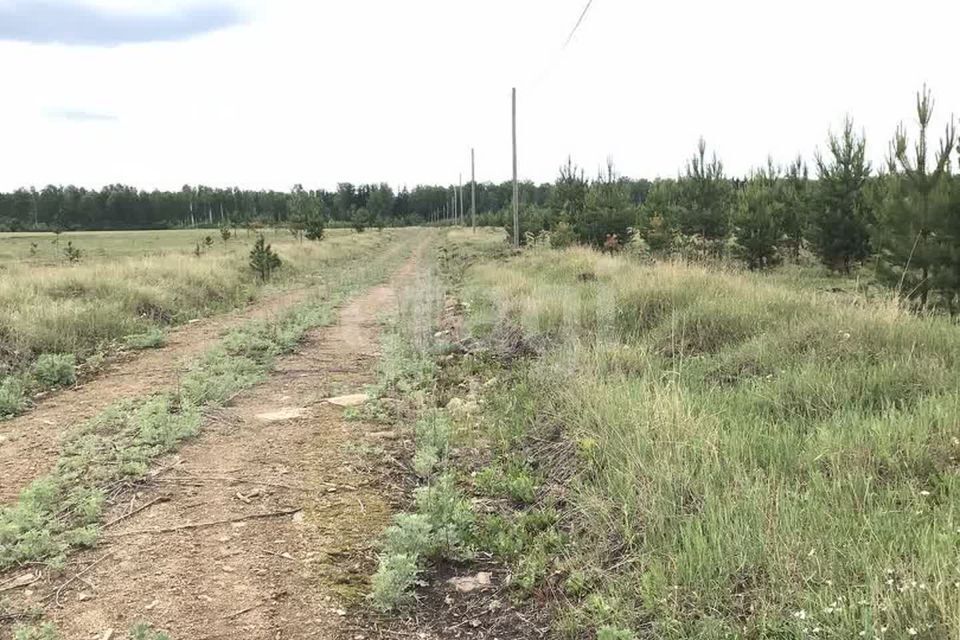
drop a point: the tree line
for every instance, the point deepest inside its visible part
(60, 208)
(901, 219)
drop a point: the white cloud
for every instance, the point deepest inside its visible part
(369, 90)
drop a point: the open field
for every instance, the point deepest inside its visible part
(625, 448)
(19, 246)
(132, 285)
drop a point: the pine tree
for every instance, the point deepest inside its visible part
(912, 232)
(263, 259)
(757, 220)
(360, 220)
(315, 226)
(840, 220)
(660, 215)
(795, 216)
(608, 212)
(569, 195)
(706, 196)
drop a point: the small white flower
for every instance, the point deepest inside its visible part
(924, 493)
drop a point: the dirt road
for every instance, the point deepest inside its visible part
(280, 452)
(30, 443)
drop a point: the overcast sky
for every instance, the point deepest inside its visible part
(269, 93)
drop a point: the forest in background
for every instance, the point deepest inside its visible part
(125, 207)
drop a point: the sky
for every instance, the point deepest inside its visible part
(271, 93)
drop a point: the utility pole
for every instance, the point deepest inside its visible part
(473, 193)
(516, 188)
(463, 220)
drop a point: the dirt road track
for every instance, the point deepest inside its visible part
(278, 577)
(30, 443)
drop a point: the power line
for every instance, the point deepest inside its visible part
(573, 31)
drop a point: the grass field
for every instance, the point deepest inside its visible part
(136, 283)
(730, 455)
(48, 250)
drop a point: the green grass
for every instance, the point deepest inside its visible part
(740, 456)
(62, 510)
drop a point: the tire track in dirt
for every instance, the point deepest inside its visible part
(282, 577)
(30, 443)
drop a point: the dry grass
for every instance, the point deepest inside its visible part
(79, 308)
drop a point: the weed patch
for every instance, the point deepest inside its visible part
(153, 338)
(55, 369)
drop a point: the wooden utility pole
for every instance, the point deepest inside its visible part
(473, 193)
(516, 187)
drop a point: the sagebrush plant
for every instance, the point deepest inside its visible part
(46, 631)
(749, 457)
(55, 369)
(144, 631)
(153, 338)
(512, 479)
(442, 521)
(12, 395)
(393, 582)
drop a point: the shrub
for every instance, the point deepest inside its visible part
(55, 369)
(72, 253)
(562, 236)
(614, 633)
(11, 396)
(360, 220)
(425, 460)
(393, 580)
(146, 632)
(45, 631)
(152, 339)
(433, 430)
(411, 534)
(533, 220)
(514, 482)
(314, 227)
(447, 510)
